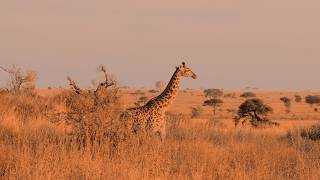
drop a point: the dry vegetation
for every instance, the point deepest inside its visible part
(72, 134)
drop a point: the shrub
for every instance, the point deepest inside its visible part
(312, 100)
(312, 133)
(248, 95)
(91, 114)
(287, 103)
(214, 93)
(298, 98)
(19, 80)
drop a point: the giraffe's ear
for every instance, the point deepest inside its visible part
(177, 67)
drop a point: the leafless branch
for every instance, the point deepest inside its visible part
(4, 69)
(74, 85)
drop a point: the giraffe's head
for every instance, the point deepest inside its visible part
(185, 71)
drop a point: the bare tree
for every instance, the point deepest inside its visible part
(74, 85)
(18, 79)
(91, 114)
(108, 82)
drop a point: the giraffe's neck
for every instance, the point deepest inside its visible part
(171, 91)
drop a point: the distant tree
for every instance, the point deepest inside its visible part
(153, 91)
(213, 93)
(214, 100)
(298, 98)
(248, 95)
(287, 103)
(255, 111)
(215, 103)
(19, 80)
(230, 95)
(312, 100)
(141, 101)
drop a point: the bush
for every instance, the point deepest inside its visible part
(287, 103)
(248, 95)
(90, 114)
(19, 80)
(312, 100)
(312, 133)
(298, 98)
(214, 93)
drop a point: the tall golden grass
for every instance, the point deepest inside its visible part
(56, 135)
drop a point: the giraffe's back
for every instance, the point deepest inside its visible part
(134, 119)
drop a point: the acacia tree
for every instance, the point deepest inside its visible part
(18, 79)
(214, 101)
(287, 103)
(254, 110)
(213, 93)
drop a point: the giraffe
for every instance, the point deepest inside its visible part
(151, 116)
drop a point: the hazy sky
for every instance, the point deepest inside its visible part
(270, 44)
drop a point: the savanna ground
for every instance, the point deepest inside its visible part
(50, 134)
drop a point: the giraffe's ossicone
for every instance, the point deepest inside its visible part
(151, 116)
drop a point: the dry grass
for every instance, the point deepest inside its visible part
(34, 147)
